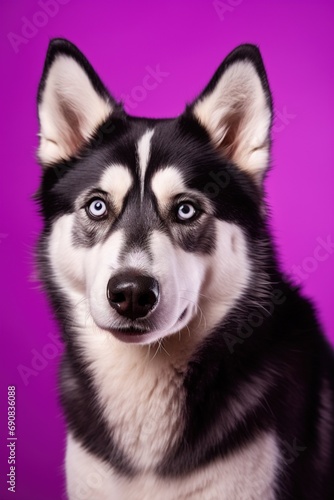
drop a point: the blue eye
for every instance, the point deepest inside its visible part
(186, 211)
(97, 208)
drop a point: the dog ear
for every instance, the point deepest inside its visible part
(236, 110)
(72, 102)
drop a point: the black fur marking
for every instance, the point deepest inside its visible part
(138, 221)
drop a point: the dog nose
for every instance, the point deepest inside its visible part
(132, 295)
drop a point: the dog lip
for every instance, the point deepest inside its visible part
(130, 335)
(131, 330)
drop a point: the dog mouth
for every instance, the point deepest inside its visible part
(131, 335)
(130, 330)
(137, 333)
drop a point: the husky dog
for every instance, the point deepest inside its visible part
(192, 368)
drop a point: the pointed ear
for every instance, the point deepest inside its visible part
(236, 110)
(72, 102)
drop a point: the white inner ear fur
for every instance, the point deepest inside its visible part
(237, 116)
(69, 112)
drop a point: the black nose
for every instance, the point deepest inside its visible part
(132, 295)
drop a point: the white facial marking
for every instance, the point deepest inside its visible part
(117, 180)
(246, 474)
(69, 272)
(229, 273)
(83, 274)
(144, 150)
(167, 183)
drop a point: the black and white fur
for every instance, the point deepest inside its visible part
(225, 389)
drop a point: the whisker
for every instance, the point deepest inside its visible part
(162, 346)
(156, 352)
(147, 357)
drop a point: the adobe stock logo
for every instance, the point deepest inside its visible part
(31, 26)
(151, 80)
(325, 248)
(40, 359)
(220, 180)
(223, 7)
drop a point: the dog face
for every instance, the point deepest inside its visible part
(149, 223)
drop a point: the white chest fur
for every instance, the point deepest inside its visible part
(142, 394)
(247, 474)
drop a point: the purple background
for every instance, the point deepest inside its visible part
(188, 40)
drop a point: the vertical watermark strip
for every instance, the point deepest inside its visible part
(11, 439)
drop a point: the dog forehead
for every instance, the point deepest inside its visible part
(118, 179)
(145, 155)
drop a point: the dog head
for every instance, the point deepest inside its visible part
(151, 226)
